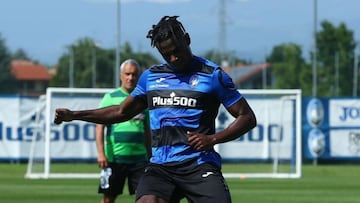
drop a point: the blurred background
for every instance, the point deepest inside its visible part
(310, 45)
(304, 44)
(297, 62)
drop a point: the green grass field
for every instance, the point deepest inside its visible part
(319, 184)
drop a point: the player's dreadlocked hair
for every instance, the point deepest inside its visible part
(168, 27)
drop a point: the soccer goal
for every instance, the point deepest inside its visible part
(273, 148)
(56, 150)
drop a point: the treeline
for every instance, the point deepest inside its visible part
(335, 69)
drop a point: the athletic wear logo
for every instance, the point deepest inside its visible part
(159, 84)
(194, 81)
(174, 100)
(160, 80)
(207, 174)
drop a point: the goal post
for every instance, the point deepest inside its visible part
(273, 148)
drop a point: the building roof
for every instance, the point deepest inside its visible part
(245, 72)
(26, 70)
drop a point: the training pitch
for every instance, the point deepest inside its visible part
(318, 184)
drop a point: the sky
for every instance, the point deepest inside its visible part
(44, 28)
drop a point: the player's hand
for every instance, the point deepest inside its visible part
(62, 115)
(200, 141)
(102, 161)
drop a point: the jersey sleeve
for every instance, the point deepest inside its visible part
(140, 89)
(225, 89)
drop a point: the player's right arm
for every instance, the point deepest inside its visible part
(107, 115)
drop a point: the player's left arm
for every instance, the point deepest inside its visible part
(236, 105)
(245, 120)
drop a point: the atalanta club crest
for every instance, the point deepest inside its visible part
(315, 117)
(316, 142)
(315, 112)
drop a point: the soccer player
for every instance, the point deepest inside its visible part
(124, 154)
(183, 96)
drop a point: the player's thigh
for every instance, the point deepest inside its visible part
(155, 182)
(151, 199)
(206, 185)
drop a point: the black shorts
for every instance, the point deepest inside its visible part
(120, 172)
(202, 184)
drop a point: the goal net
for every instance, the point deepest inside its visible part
(271, 150)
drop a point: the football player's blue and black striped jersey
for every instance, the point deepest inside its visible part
(181, 102)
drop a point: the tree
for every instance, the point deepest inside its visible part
(289, 68)
(331, 42)
(80, 58)
(21, 54)
(7, 80)
(144, 59)
(231, 58)
(81, 53)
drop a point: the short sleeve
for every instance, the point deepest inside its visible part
(225, 88)
(140, 89)
(105, 101)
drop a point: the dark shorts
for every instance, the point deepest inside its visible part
(202, 184)
(120, 172)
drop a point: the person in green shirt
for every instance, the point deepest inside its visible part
(123, 148)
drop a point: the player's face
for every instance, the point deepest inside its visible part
(178, 55)
(129, 77)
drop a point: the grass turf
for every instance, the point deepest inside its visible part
(319, 184)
